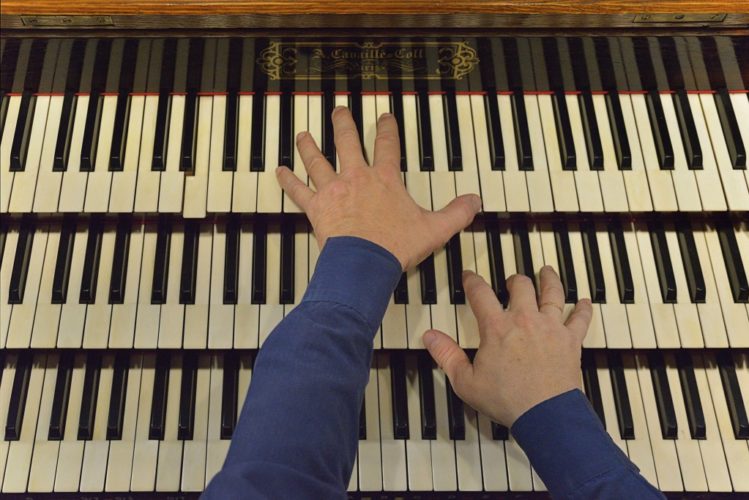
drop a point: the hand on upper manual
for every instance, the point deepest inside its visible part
(527, 353)
(371, 202)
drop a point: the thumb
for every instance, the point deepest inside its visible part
(450, 357)
(457, 215)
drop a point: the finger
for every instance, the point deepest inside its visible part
(294, 187)
(346, 139)
(456, 216)
(522, 293)
(551, 301)
(318, 168)
(450, 357)
(481, 297)
(580, 318)
(387, 153)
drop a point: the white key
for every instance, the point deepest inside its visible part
(369, 125)
(613, 189)
(300, 124)
(492, 181)
(244, 190)
(741, 108)
(19, 452)
(196, 185)
(44, 458)
(393, 450)
(418, 318)
(171, 317)
(664, 320)
(99, 314)
(468, 454)
(685, 183)
(9, 252)
(369, 459)
(47, 315)
(708, 178)
(516, 188)
(269, 194)
(73, 185)
(196, 315)
(417, 182)
(710, 311)
(607, 401)
(596, 334)
(466, 180)
(444, 468)
(245, 312)
(22, 315)
(271, 313)
(219, 181)
(194, 457)
(539, 185)
(122, 329)
(221, 316)
(736, 451)
(664, 450)
(6, 387)
(518, 466)
(95, 453)
(636, 180)
(301, 264)
(70, 455)
(640, 320)
(550, 258)
(6, 176)
(586, 180)
(418, 453)
(216, 448)
(145, 450)
(493, 462)
(443, 180)
(443, 313)
(147, 318)
(613, 312)
(467, 325)
(690, 331)
(170, 448)
(73, 314)
(171, 184)
(562, 181)
(120, 461)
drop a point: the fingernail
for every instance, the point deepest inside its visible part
(301, 135)
(429, 338)
(476, 201)
(279, 168)
(338, 109)
(384, 115)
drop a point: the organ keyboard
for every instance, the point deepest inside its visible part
(146, 251)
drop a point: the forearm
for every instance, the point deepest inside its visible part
(573, 454)
(298, 426)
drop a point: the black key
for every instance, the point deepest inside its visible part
(566, 267)
(20, 145)
(119, 262)
(564, 131)
(93, 113)
(663, 262)
(522, 246)
(621, 396)
(67, 117)
(363, 421)
(399, 395)
(187, 395)
(688, 131)
(19, 391)
(731, 132)
(117, 398)
(355, 106)
(257, 144)
(7, 74)
(259, 262)
(426, 151)
(229, 394)
(428, 281)
(166, 85)
(732, 259)
(189, 274)
(660, 131)
(190, 123)
(496, 263)
(91, 269)
(732, 391)
(3, 234)
(618, 131)
(400, 295)
(590, 130)
(663, 400)
(396, 106)
(161, 263)
(522, 133)
(455, 271)
(327, 142)
(287, 262)
(621, 263)
(452, 131)
(90, 394)
(286, 139)
(4, 101)
(455, 415)
(500, 432)
(590, 382)
(691, 260)
(159, 397)
(426, 397)
(494, 130)
(691, 393)
(122, 110)
(61, 397)
(231, 262)
(232, 102)
(21, 263)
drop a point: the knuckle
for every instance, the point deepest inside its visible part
(316, 162)
(348, 135)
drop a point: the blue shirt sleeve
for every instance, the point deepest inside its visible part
(574, 455)
(297, 433)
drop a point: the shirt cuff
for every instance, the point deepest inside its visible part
(566, 443)
(357, 273)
